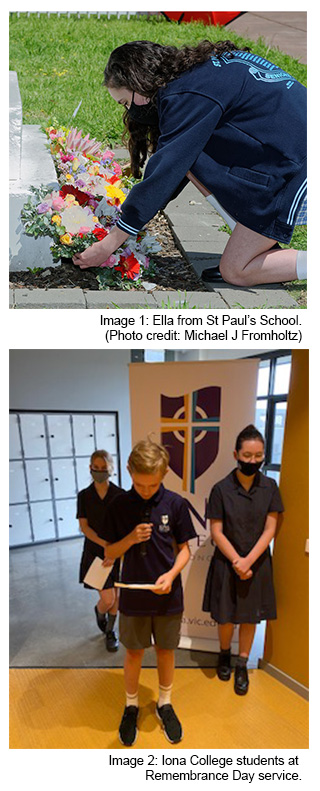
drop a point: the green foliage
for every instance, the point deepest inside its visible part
(60, 61)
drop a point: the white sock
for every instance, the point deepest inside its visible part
(132, 700)
(301, 265)
(164, 696)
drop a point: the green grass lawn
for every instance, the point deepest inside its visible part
(60, 61)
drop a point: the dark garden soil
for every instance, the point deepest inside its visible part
(171, 271)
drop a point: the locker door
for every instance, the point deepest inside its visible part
(115, 478)
(83, 473)
(60, 435)
(15, 445)
(68, 524)
(17, 485)
(19, 525)
(38, 479)
(64, 481)
(42, 521)
(33, 435)
(83, 434)
(106, 432)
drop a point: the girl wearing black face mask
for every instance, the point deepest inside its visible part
(93, 503)
(218, 117)
(243, 510)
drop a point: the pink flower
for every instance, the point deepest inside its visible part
(117, 169)
(84, 229)
(57, 204)
(110, 261)
(107, 155)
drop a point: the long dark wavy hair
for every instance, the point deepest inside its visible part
(144, 67)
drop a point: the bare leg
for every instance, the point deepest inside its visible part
(165, 664)
(132, 667)
(246, 635)
(225, 635)
(248, 260)
(108, 601)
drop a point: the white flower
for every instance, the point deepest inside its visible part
(74, 217)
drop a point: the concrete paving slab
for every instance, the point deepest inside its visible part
(113, 299)
(199, 299)
(51, 299)
(285, 30)
(11, 298)
(257, 297)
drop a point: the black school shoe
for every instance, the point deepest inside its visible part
(112, 642)
(241, 680)
(128, 730)
(224, 666)
(171, 726)
(101, 620)
(212, 275)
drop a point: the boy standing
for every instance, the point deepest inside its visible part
(151, 527)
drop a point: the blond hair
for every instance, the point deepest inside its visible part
(148, 457)
(103, 454)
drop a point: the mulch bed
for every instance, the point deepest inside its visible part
(172, 271)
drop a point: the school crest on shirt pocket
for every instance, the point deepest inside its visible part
(164, 526)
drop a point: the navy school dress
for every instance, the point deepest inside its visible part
(228, 598)
(94, 509)
(239, 125)
(171, 525)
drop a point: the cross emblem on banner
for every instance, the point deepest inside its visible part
(190, 428)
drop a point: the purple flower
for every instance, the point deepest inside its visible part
(42, 208)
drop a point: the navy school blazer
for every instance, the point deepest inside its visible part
(239, 124)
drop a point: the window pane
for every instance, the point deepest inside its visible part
(278, 431)
(260, 418)
(154, 355)
(275, 474)
(263, 378)
(282, 376)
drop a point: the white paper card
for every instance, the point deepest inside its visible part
(97, 574)
(136, 586)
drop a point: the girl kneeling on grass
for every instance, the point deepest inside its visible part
(243, 509)
(232, 123)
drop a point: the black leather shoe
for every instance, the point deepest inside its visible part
(241, 680)
(112, 642)
(224, 668)
(212, 275)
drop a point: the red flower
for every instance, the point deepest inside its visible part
(128, 266)
(100, 233)
(80, 196)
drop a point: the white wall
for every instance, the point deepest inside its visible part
(73, 380)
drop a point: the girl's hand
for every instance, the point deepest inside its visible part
(95, 255)
(141, 532)
(242, 568)
(107, 561)
(164, 583)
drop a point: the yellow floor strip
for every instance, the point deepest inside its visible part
(81, 709)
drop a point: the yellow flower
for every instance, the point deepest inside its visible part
(66, 239)
(115, 192)
(95, 219)
(55, 218)
(94, 170)
(75, 164)
(68, 176)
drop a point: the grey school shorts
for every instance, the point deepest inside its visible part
(135, 631)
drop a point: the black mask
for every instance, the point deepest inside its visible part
(143, 113)
(248, 467)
